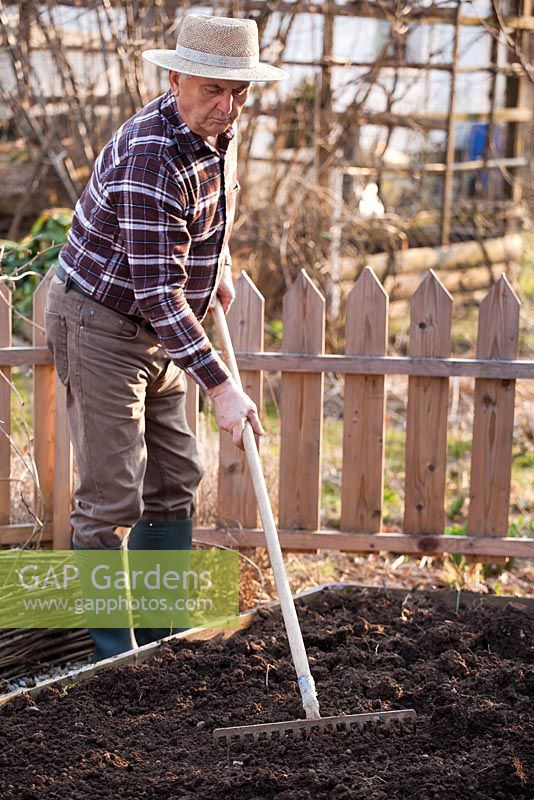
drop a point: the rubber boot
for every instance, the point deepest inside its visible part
(109, 641)
(160, 535)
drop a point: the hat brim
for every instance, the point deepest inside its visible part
(169, 59)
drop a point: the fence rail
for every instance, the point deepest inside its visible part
(302, 363)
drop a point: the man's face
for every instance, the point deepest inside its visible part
(208, 106)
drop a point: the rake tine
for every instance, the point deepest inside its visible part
(387, 720)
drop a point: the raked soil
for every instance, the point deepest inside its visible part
(145, 732)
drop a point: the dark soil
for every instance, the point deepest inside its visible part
(145, 731)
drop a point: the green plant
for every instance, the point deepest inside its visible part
(456, 558)
(524, 461)
(456, 505)
(392, 504)
(274, 330)
(458, 448)
(27, 260)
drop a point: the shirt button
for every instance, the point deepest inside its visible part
(121, 322)
(92, 312)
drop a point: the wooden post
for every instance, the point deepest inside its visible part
(52, 448)
(44, 407)
(493, 425)
(489, 194)
(323, 102)
(426, 413)
(5, 410)
(448, 186)
(518, 94)
(301, 409)
(364, 409)
(236, 499)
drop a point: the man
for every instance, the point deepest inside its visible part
(146, 256)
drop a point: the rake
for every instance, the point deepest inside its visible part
(313, 722)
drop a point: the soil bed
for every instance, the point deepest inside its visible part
(145, 731)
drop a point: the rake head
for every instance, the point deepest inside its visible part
(399, 720)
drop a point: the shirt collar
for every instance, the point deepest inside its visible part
(187, 140)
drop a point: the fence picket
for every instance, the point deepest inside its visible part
(364, 409)
(5, 410)
(44, 406)
(426, 413)
(236, 499)
(301, 409)
(63, 463)
(493, 424)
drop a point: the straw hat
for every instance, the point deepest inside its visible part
(217, 47)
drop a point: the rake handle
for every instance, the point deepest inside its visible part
(294, 633)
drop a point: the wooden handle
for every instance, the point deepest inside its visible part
(294, 634)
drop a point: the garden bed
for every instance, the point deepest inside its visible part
(145, 730)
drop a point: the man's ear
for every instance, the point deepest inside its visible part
(174, 80)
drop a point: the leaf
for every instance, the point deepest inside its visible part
(455, 505)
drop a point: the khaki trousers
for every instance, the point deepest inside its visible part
(134, 451)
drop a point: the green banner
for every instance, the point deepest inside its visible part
(165, 589)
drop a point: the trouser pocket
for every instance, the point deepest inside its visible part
(56, 341)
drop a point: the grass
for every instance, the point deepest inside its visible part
(21, 404)
(457, 479)
(526, 295)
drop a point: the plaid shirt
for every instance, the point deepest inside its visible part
(150, 232)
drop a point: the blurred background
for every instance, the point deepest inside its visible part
(401, 126)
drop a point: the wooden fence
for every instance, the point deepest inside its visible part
(302, 363)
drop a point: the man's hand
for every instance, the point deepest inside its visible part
(232, 408)
(225, 290)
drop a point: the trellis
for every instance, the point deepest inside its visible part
(70, 146)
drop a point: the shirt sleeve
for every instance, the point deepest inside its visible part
(150, 207)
